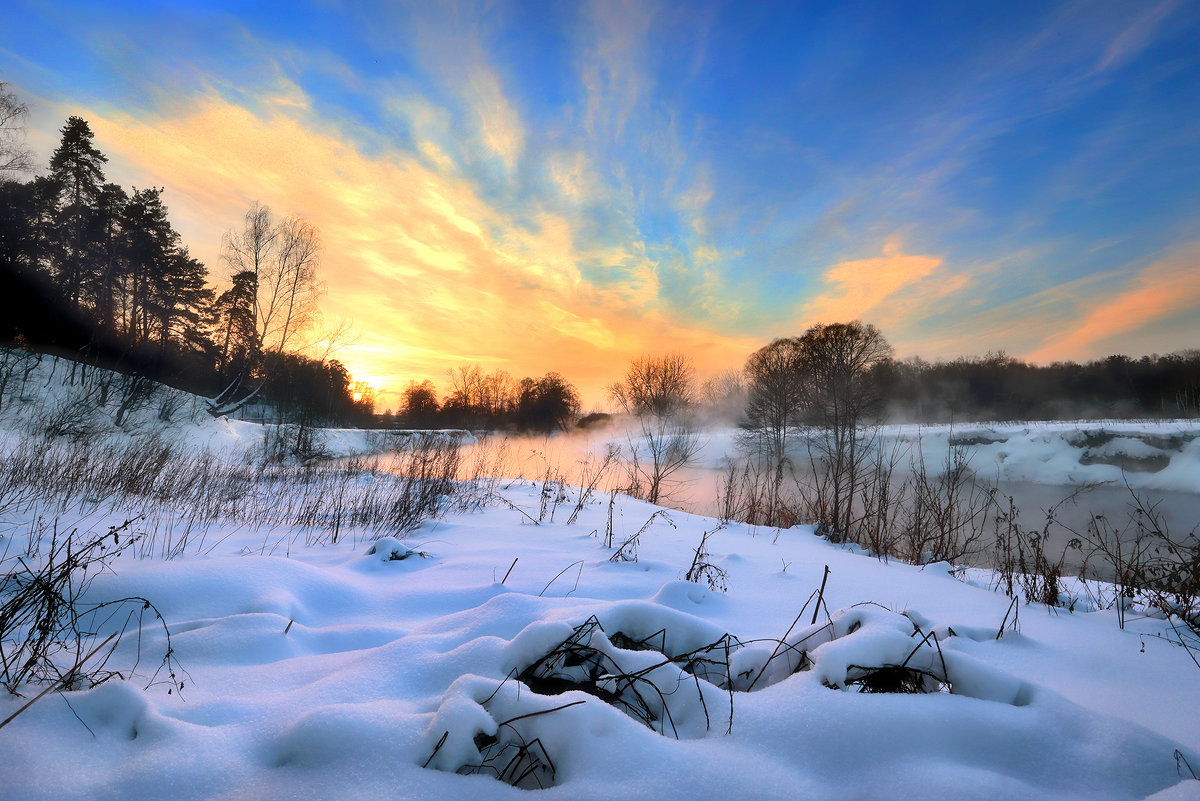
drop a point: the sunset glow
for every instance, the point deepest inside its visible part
(552, 186)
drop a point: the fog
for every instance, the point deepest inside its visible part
(1040, 467)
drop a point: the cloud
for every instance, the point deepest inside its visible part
(431, 273)
(858, 289)
(450, 38)
(1135, 37)
(1165, 289)
(613, 70)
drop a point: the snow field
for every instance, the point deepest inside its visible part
(379, 668)
(383, 657)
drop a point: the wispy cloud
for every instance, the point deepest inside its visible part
(451, 40)
(416, 256)
(1136, 35)
(1165, 289)
(613, 63)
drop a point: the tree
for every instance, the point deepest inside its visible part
(77, 164)
(27, 218)
(283, 258)
(420, 405)
(724, 394)
(233, 323)
(288, 287)
(840, 393)
(660, 386)
(497, 395)
(77, 169)
(149, 248)
(465, 403)
(15, 157)
(105, 245)
(838, 359)
(656, 391)
(546, 404)
(183, 300)
(249, 250)
(776, 394)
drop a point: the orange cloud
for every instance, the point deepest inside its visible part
(1165, 289)
(884, 288)
(430, 272)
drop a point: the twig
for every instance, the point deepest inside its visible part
(1004, 622)
(564, 570)
(535, 714)
(516, 508)
(780, 643)
(510, 569)
(1181, 762)
(437, 748)
(820, 597)
(60, 683)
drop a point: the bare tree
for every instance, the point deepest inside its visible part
(283, 256)
(14, 155)
(724, 394)
(289, 302)
(498, 394)
(840, 395)
(278, 261)
(660, 386)
(657, 391)
(466, 394)
(659, 450)
(775, 400)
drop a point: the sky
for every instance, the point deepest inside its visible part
(565, 186)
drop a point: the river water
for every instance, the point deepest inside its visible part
(1004, 457)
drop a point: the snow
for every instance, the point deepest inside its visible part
(378, 668)
(1066, 453)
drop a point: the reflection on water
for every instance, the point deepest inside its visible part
(577, 460)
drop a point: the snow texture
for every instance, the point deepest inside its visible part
(393, 668)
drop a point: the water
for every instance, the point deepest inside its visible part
(696, 488)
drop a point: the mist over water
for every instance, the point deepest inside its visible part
(1073, 495)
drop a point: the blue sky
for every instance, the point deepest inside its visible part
(538, 186)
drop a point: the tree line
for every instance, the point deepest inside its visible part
(999, 387)
(789, 384)
(97, 272)
(489, 401)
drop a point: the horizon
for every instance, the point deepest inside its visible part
(536, 187)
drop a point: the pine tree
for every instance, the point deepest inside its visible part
(185, 298)
(103, 292)
(148, 246)
(78, 172)
(234, 327)
(77, 165)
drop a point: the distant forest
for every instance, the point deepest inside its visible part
(95, 272)
(991, 387)
(999, 387)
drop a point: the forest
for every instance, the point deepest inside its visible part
(98, 273)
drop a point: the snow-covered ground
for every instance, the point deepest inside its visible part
(380, 668)
(334, 672)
